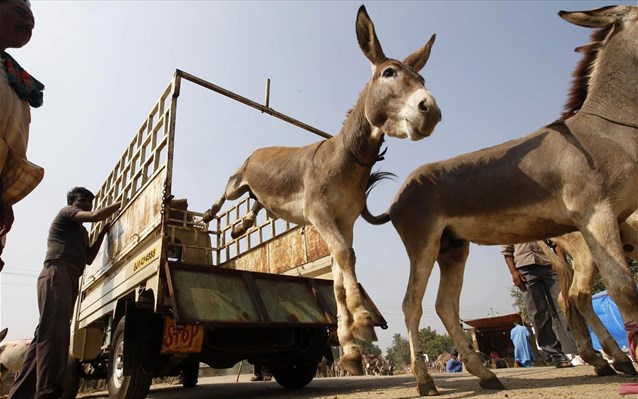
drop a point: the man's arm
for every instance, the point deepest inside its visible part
(97, 215)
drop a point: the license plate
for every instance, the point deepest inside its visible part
(179, 338)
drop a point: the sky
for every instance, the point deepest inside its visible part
(498, 70)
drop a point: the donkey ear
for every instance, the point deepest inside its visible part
(597, 18)
(417, 60)
(367, 38)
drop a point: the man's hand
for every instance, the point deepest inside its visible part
(6, 219)
(519, 280)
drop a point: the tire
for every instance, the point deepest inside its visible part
(71, 383)
(297, 375)
(120, 386)
(190, 374)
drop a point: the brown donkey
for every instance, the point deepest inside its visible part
(579, 173)
(324, 184)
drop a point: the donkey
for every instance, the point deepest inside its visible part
(578, 173)
(576, 296)
(323, 184)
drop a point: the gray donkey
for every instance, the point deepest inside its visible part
(577, 174)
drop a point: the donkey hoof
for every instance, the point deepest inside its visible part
(491, 383)
(352, 364)
(238, 231)
(625, 367)
(427, 389)
(604, 370)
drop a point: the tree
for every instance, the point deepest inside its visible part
(434, 344)
(399, 353)
(519, 303)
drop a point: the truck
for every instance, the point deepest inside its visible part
(168, 291)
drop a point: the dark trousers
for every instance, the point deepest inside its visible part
(42, 372)
(540, 299)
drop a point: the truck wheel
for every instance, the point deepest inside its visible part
(71, 383)
(190, 374)
(134, 386)
(297, 375)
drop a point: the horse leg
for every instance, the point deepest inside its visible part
(421, 264)
(452, 265)
(247, 221)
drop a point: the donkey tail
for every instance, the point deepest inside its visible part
(373, 180)
(564, 270)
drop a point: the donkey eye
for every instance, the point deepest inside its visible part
(389, 72)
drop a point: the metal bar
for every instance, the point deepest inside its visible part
(244, 100)
(268, 93)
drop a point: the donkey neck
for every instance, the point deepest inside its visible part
(356, 137)
(612, 93)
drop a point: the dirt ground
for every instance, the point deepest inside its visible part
(533, 383)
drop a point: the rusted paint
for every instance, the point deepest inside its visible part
(316, 246)
(297, 247)
(255, 260)
(286, 252)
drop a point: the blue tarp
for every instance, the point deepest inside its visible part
(608, 313)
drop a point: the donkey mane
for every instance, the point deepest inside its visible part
(582, 73)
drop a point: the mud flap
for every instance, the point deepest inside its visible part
(142, 339)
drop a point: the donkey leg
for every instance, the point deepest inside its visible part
(575, 294)
(235, 188)
(586, 270)
(214, 209)
(339, 240)
(247, 221)
(602, 236)
(452, 265)
(421, 264)
(351, 360)
(580, 296)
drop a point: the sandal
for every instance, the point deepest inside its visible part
(564, 364)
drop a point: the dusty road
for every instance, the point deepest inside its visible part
(535, 383)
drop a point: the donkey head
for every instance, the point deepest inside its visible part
(397, 102)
